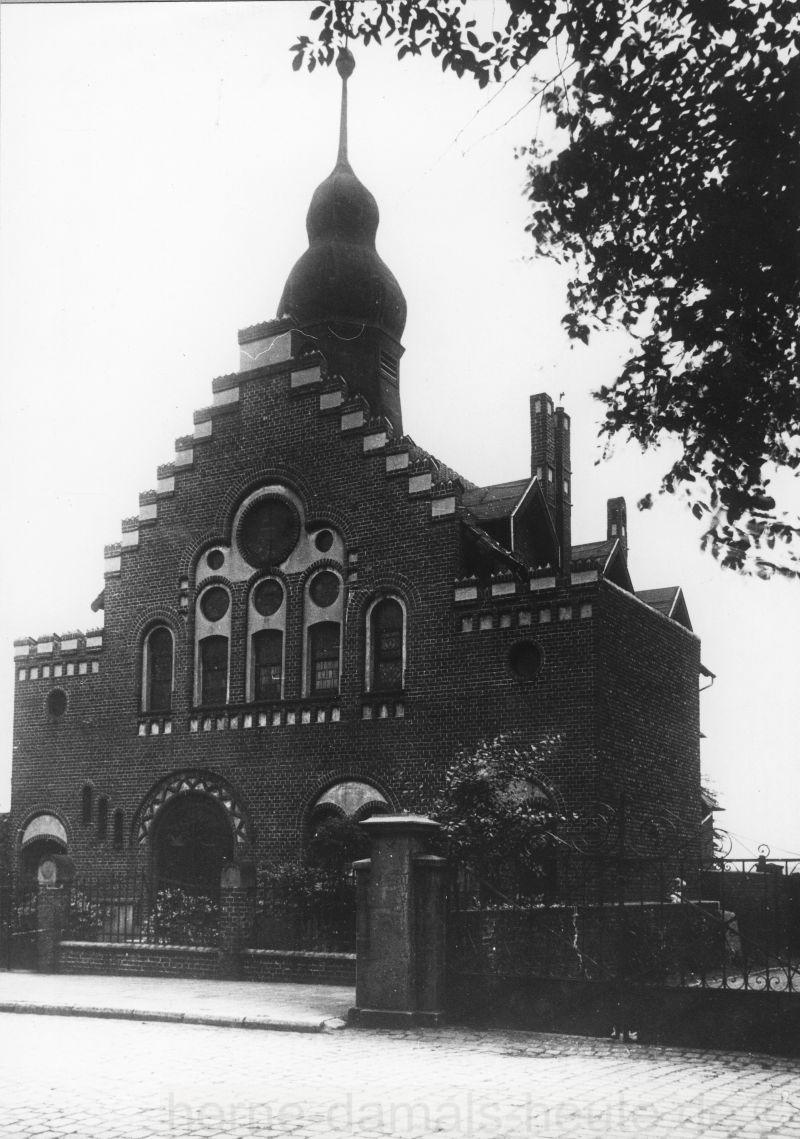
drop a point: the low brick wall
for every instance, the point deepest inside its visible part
(119, 959)
(298, 966)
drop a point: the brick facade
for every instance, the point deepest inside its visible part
(476, 570)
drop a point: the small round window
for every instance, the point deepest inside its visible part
(215, 559)
(214, 603)
(323, 541)
(324, 589)
(268, 597)
(525, 659)
(56, 702)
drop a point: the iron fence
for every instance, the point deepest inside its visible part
(132, 908)
(306, 910)
(732, 924)
(19, 926)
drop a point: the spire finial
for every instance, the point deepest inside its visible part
(345, 65)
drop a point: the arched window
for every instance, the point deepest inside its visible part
(87, 803)
(267, 664)
(102, 817)
(386, 645)
(214, 670)
(157, 670)
(119, 830)
(323, 658)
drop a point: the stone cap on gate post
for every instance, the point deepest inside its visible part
(379, 825)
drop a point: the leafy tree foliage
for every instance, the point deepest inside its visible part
(675, 201)
(498, 822)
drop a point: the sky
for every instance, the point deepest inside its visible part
(156, 164)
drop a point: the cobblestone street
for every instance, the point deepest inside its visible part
(127, 1080)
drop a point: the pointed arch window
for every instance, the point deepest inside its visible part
(157, 670)
(323, 657)
(267, 664)
(214, 670)
(386, 645)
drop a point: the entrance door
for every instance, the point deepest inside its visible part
(192, 841)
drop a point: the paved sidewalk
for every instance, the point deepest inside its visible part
(232, 1004)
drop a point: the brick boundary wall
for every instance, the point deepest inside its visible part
(115, 959)
(119, 959)
(299, 966)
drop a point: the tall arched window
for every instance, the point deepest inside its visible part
(323, 658)
(267, 664)
(386, 645)
(157, 670)
(214, 670)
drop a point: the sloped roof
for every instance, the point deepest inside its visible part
(593, 551)
(667, 600)
(487, 503)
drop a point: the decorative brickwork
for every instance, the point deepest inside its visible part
(476, 570)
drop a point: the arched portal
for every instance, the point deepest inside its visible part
(191, 841)
(43, 837)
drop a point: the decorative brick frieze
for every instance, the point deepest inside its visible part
(377, 709)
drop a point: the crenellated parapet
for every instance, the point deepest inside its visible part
(58, 655)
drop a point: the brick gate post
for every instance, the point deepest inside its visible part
(54, 876)
(237, 908)
(401, 924)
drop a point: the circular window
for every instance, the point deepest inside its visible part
(268, 597)
(215, 559)
(324, 589)
(525, 659)
(323, 541)
(56, 702)
(214, 603)
(269, 531)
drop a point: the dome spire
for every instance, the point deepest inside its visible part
(345, 65)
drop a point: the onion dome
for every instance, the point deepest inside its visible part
(340, 277)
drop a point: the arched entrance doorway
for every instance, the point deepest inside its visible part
(43, 837)
(192, 840)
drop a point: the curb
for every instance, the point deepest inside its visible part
(329, 1024)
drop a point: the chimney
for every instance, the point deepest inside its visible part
(543, 447)
(617, 515)
(563, 488)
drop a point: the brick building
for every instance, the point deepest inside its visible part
(311, 614)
